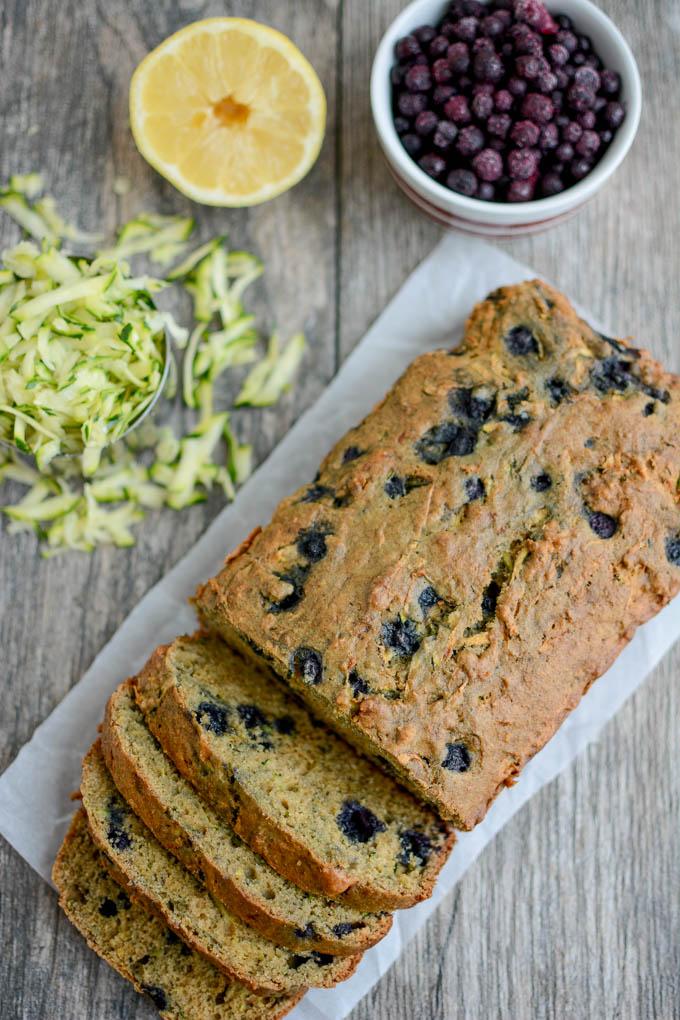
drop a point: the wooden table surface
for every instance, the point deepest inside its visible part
(574, 910)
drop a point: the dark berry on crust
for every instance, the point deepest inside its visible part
(520, 341)
(213, 717)
(295, 577)
(351, 453)
(357, 683)
(414, 844)
(612, 374)
(308, 932)
(316, 492)
(673, 549)
(457, 758)
(558, 389)
(346, 928)
(395, 487)
(541, 482)
(107, 908)
(307, 665)
(490, 598)
(358, 823)
(401, 636)
(602, 524)
(648, 409)
(446, 440)
(311, 542)
(465, 403)
(474, 489)
(157, 996)
(428, 599)
(632, 352)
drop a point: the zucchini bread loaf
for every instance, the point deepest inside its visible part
(179, 982)
(475, 553)
(321, 815)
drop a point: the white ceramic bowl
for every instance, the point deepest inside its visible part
(503, 219)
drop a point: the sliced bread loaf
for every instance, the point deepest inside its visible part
(154, 877)
(205, 844)
(180, 982)
(319, 813)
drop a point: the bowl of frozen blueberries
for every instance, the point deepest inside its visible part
(504, 117)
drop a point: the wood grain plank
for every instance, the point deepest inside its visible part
(63, 110)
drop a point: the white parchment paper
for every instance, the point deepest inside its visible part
(428, 312)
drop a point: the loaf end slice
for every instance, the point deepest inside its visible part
(321, 815)
(179, 981)
(154, 877)
(475, 553)
(204, 842)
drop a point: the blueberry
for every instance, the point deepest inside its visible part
(352, 453)
(412, 143)
(414, 844)
(488, 164)
(157, 996)
(580, 98)
(522, 164)
(418, 78)
(438, 46)
(401, 636)
(462, 181)
(441, 71)
(395, 486)
(486, 192)
(611, 374)
(116, 833)
(549, 138)
(410, 104)
(407, 47)
(517, 86)
(432, 164)
(428, 599)
(588, 78)
(295, 577)
(490, 598)
(311, 542)
(488, 66)
(614, 115)
(520, 341)
(358, 823)
(252, 717)
(357, 683)
(541, 482)
(610, 83)
(648, 409)
(446, 440)
(673, 549)
(525, 134)
(471, 139)
(503, 101)
(316, 492)
(444, 136)
(346, 928)
(297, 960)
(308, 932)
(602, 524)
(558, 54)
(306, 664)
(401, 125)
(552, 184)
(213, 717)
(426, 122)
(285, 725)
(518, 421)
(458, 110)
(467, 28)
(457, 758)
(107, 908)
(425, 34)
(474, 489)
(458, 57)
(517, 398)
(476, 407)
(537, 107)
(499, 124)
(441, 94)
(322, 959)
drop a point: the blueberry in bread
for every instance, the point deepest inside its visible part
(321, 815)
(511, 515)
(151, 875)
(205, 843)
(179, 982)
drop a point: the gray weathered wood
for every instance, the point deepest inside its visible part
(573, 911)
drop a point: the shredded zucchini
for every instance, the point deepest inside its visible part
(162, 238)
(274, 374)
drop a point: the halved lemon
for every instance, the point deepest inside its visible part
(229, 111)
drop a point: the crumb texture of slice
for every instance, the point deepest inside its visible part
(319, 813)
(475, 553)
(153, 876)
(207, 845)
(180, 983)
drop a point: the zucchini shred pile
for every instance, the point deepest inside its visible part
(84, 354)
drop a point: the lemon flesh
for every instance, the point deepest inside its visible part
(229, 111)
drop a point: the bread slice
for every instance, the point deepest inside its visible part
(208, 847)
(180, 982)
(319, 813)
(153, 876)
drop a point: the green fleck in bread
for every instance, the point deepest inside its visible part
(206, 845)
(154, 877)
(475, 553)
(321, 815)
(180, 982)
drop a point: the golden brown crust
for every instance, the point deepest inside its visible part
(525, 486)
(223, 886)
(175, 728)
